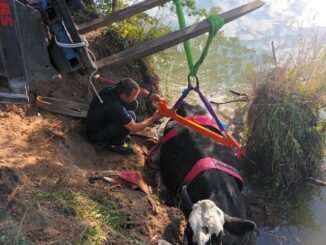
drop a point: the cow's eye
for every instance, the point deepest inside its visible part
(205, 229)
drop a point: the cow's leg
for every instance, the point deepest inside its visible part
(162, 191)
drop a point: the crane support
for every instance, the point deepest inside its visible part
(119, 15)
(174, 38)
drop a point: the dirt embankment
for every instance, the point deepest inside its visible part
(45, 163)
(45, 196)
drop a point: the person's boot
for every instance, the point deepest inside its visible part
(122, 149)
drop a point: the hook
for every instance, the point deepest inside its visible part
(189, 81)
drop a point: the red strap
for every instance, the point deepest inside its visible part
(204, 121)
(211, 163)
(172, 133)
(126, 178)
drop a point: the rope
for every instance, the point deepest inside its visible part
(216, 23)
(90, 54)
(71, 45)
(182, 24)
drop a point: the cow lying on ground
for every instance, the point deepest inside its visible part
(210, 197)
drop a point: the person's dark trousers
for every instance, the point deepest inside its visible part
(113, 133)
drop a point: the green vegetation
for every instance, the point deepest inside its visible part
(190, 8)
(137, 29)
(285, 136)
(135, 241)
(128, 32)
(10, 231)
(100, 215)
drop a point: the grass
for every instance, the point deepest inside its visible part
(100, 215)
(10, 232)
(285, 135)
(135, 241)
(12, 236)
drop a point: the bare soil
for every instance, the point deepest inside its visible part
(45, 156)
(43, 151)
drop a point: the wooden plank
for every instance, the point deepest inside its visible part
(174, 38)
(119, 15)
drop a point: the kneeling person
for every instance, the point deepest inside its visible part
(112, 120)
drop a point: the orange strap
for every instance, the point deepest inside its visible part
(228, 140)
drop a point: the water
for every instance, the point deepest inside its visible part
(304, 223)
(283, 22)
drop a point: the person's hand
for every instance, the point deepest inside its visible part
(154, 97)
(143, 92)
(157, 115)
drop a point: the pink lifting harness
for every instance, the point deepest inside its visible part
(208, 163)
(204, 163)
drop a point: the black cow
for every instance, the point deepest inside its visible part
(212, 202)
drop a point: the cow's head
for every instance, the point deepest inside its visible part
(209, 225)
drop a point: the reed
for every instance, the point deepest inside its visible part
(285, 134)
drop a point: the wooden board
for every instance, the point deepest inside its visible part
(174, 38)
(119, 15)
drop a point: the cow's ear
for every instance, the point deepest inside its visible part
(238, 226)
(185, 202)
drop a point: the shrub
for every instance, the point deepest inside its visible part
(285, 136)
